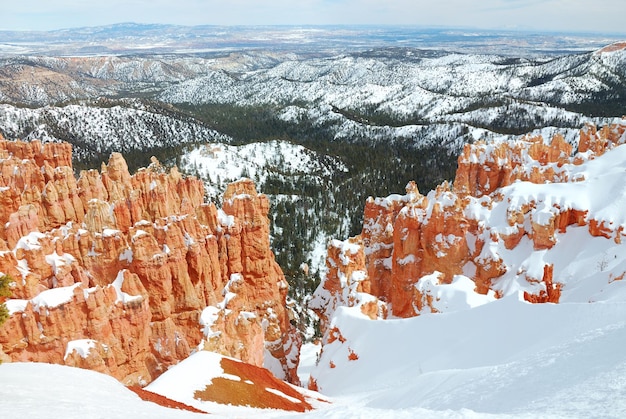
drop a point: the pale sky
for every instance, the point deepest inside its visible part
(607, 16)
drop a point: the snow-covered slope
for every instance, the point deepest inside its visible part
(404, 84)
(508, 359)
(46, 80)
(55, 391)
(253, 388)
(220, 164)
(357, 94)
(96, 131)
(410, 87)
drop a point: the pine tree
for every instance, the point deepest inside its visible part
(5, 281)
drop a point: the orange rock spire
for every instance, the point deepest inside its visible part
(135, 263)
(406, 238)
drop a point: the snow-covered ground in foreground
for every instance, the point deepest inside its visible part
(55, 391)
(504, 359)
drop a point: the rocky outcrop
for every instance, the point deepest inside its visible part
(412, 245)
(347, 283)
(483, 168)
(252, 315)
(140, 265)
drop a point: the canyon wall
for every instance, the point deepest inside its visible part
(128, 275)
(421, 254)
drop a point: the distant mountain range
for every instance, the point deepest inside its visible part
(133, 38)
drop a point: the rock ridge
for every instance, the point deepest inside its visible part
(416, 253)
(129, 274)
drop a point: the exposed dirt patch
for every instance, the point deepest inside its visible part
(162, 400)
(614, 47)
(252, 389)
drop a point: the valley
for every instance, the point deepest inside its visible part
(332, 126)
(375, 118)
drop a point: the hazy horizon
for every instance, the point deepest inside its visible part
(464, 29)
(545, 16)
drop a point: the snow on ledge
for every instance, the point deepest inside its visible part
(283, 395)
(80, 346)
(224, 219)
(30, 241)
(207, 319)
(122, 296)
(126, 255)
(54, 297)
(16, 306)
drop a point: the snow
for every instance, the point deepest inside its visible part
(122, 296)
(109, 232)
(224, 219)
(55, 391)
(54, 297)
(186, 377)
(30, 241)
(309, 354)
(456, 296)
(281, 394)
(16, 306)
(208, 318)
(57, 261)
(586, 266)
(506, 359)
(194, 374)
(138, 233)
(127, 255)
(80, 346)
(219, 164)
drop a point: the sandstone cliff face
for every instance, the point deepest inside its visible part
(140, 265)
(413, 245)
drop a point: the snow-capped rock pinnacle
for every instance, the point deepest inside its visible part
(462, 242)
(139, 267)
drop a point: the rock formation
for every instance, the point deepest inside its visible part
(140, 266)
(412, 245)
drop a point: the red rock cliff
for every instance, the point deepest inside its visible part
(409, 241)
(137, 269)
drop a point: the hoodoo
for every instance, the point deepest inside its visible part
(465, 235)
(128, 275)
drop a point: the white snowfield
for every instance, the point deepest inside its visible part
(507, 359)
